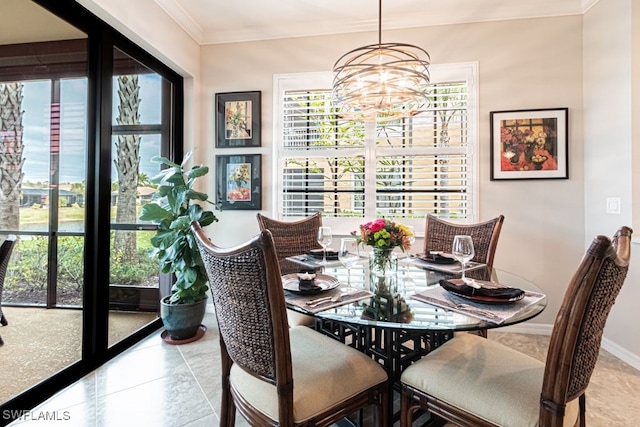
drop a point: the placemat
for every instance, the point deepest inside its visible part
(455, 268)
(308, 261)
(495, 313)
(350, 295)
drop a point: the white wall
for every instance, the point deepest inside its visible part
(608, 148)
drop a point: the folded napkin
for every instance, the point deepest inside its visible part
(307, 282)
(436, 258)
(497, 292)
(318, 253)
(309, 286)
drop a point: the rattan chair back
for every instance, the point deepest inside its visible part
(439, 234)
(577, 332)
(292, 238)
(243, 295)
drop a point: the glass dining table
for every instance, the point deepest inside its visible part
(419, 316)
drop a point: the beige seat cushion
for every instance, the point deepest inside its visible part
(295, 318)
(325, 372)
(485, 378)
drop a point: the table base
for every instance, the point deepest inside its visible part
(394, 348)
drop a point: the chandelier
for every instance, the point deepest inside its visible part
(381, 82)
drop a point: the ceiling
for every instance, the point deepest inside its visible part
(224, 21)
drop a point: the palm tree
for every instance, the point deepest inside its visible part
(127, 164)
(11, 152)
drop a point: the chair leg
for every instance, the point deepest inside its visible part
(227, 407)
(382, 413)
(406, 416)
(3, 320)
(582, 400)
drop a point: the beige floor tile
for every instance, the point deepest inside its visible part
(156, 384)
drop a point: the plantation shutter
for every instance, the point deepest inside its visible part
(403, 169)
(422, 163)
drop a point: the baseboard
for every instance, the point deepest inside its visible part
(528, 328)
(621, 353)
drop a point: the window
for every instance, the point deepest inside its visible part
(354, 171)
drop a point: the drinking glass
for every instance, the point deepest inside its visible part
(463, 250)
(325, 239)
(348, 255)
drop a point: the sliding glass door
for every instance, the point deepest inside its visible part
(82, 113)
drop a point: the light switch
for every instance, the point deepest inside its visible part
(613, 205)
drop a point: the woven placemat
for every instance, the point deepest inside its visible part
(495, 313)
(349, 295)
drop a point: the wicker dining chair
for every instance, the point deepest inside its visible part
(5, 254)
(273, 374)
(472, 381)
(292, 238)
(439, 234)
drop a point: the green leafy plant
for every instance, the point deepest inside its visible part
(173, 209)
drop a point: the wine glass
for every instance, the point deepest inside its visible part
(324, 238)
(348, 255)
(463, 250)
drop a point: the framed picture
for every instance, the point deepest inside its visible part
(238, 182)
(238, 119)
(529, 144)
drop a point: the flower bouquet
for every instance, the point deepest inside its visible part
(383, 236)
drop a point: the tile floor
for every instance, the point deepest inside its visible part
(156, 384)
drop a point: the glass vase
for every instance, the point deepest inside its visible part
(383, 272)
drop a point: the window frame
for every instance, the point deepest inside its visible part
(440, 73)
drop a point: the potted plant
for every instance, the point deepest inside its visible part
(173, 209)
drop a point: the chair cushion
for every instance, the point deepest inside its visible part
(485, 378)
(325, 373)
(295, 318)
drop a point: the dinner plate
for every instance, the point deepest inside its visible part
(323, 283)
(441, 258)
(483, 298)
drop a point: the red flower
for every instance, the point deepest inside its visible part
(376, 225)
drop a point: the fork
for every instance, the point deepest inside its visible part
(473, 309)
(317, 300)
(320, 301)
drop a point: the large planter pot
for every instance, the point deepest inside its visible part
(182, 321)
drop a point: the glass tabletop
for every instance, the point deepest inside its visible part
(403, 310)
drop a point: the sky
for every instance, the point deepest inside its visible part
(36, 112)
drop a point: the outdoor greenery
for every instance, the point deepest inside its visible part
(28, 269)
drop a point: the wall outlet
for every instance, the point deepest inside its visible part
(613, 205)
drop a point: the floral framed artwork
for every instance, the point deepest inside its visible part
(239, 182)
(238, 119)
(529, 144)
